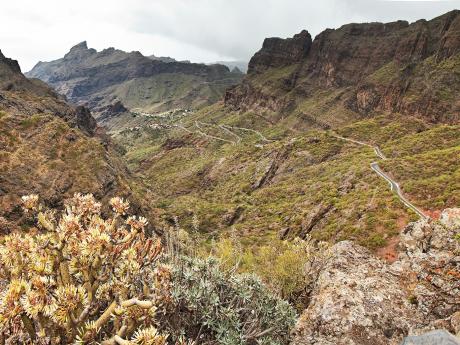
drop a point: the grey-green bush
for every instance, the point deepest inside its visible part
(228, 308)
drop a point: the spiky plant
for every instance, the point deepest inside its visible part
(80, 278)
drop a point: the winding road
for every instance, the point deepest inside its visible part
(229, 130)
(249, 130)
(394, 186)
(200, 131)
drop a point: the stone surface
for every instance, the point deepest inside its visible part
(437, 337)
(358, 299)
(430, 251)
(277, 52)
(455, 322)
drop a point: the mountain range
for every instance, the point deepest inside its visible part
(354, 72)
(351, 139)
(268, 160)
(100, 79)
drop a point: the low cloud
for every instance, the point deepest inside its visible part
(198, 30)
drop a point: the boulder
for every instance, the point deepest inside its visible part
(437, 337)
(358, 299)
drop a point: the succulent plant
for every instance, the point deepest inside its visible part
(79, 278)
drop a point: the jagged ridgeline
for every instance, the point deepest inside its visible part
(100, 79)
(356, 71)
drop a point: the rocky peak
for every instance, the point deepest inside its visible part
(79, 51)
(166, 59)
(88, 77)
(13, 65)
(278, 52)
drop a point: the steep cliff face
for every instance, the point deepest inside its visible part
(99, 79)
(277, 52)
(396, 67)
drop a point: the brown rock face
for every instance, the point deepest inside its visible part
(277, 52)
(30, 97)
(399, 67)
(50, 148)
(344, 56)
(13, 65)
(450, 42)
(358, 299)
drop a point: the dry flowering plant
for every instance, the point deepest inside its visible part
(80, 278)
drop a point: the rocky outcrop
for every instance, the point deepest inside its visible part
(51, 148)
(97, 79)
(431, 252)
(10, 64)
(437, 337)
(373, 67)
(314, 217)
(85, 120)
(111, 110)
(358, 299)
(277, 52)
(30, 97)
(78, 52)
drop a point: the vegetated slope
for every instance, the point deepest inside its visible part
(100, 79)
(50, 148)
(425, 162)
(354, 72)
(264, 162)
(311, 183)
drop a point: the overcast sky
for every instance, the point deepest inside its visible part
(197, 30)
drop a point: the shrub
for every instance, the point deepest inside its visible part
(79, 278)
(234, 309)
(30, 121)
(288, 267)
